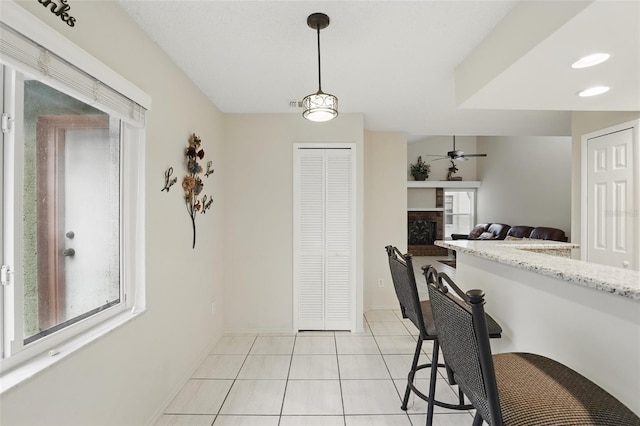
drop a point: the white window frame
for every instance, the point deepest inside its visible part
(19, 362)
(473, 212)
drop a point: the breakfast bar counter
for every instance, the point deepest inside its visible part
(553, 259)
(584, 315)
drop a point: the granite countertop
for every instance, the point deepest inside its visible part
(523, 255)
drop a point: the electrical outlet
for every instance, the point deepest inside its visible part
(380, 282)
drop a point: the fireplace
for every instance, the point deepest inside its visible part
(424, 227)
(421, 232)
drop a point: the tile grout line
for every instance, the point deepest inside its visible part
(235, 379)
(344, 414)
(286, 383)
(406, 412)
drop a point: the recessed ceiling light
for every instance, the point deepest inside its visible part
(590, 60)
(593, 91)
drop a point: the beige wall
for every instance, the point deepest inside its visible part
(525, 181)
(128, 375)
(385, 213)
(259, 213)
(581, 124)
(258, 191)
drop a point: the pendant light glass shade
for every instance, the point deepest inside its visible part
(319, 106)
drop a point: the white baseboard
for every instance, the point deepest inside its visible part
(272, 332)
(263, 331)
(394, 307)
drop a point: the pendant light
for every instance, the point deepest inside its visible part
(319, 106)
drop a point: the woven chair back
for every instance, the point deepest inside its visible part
(464, 348)
(404, 283)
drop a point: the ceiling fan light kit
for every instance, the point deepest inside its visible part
(455, 154)
(319, 106)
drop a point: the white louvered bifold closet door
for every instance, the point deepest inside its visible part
(323, 249)
(310, 240)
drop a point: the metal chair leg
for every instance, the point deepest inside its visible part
(412, 374)
(432, 382)
(460, 396)
(477, 420)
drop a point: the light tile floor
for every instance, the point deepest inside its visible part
(314, 378)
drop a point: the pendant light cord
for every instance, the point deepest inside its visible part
(319, 78)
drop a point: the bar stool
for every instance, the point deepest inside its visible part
(515, 389)
(419, 313)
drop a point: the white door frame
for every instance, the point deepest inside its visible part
(635, 209)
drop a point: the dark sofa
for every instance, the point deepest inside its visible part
(501, 231)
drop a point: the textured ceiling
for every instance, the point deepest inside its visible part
(393, 61)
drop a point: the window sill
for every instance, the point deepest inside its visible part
(34, 366)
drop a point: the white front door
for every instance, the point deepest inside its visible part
(611, 198)
(86, 222)
(77, 217)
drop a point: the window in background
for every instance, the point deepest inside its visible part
(459, 211)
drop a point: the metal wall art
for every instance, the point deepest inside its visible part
(192, 183)
(61, 10)
(168, 180)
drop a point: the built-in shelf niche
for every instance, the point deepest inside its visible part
(421, 195)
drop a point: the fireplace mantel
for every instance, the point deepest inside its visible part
(443, 184)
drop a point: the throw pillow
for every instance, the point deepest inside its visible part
(487, 236)
(477, 231)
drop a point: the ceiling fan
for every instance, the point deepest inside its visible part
(455, 154)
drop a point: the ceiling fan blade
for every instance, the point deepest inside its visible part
(454, 155)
